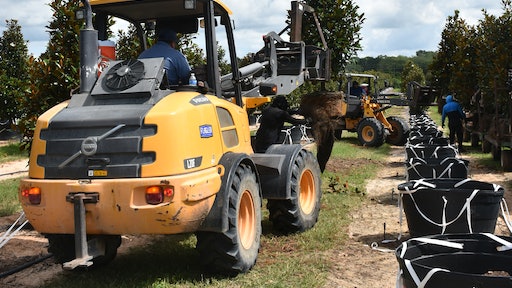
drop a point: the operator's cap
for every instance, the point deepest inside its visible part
(165, 32)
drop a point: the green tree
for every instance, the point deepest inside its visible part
(411, 72)
(128, 45)
(56, 73)
(493, 58)
(445, 60)
(13, 70)
(341, 24)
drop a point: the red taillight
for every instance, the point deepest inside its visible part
(154, 195)
(33, 194)
(169, 191)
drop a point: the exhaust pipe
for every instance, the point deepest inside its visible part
(89, 54)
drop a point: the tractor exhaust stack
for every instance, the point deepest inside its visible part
(89, 54)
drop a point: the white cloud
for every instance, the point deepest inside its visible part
(402, 27)
(392, 27)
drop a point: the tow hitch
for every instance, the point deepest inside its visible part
(84, 251)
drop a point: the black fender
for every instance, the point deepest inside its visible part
(277, 185)
(216, 220)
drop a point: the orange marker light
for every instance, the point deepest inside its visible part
(34, 195)
(154, 195)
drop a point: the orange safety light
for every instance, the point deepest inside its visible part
(33, 194)
(154, 195)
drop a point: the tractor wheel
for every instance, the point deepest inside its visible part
(300, 212)
(400, 131)
(62, 246)
(370, 132)
(235, 250)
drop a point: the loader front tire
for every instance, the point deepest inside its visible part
(400, 131)
(300, 212)
(235, 250)
(370, 132)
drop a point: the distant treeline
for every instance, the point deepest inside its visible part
(392, 65)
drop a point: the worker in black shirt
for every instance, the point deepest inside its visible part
(272, 122)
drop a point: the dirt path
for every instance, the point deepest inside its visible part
(357, 264)
(13, 169)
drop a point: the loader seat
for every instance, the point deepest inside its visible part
(354, 109)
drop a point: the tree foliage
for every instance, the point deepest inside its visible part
(55, 73)
(13, 70)
(475, 59)
(128, 45)
(393, 65)
(411, 72)
(341, 24)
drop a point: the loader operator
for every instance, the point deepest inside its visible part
(453, 110)
(272, 122)
(176, 65)
(357, 90)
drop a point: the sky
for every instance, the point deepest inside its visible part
(391, 28)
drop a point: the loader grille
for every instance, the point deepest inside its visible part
(96, 142)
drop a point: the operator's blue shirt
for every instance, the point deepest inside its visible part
(176, 65)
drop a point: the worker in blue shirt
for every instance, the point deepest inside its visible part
(453, 110)
(357, 90)
(176, 65)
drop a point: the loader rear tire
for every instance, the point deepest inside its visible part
(300, 212)
(235, 250)
(62, 246)
(400, 131)
(370, 132)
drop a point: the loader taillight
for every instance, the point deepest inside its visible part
(169, 191)
(33, 194)
(156, 194)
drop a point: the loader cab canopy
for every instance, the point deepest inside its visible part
(366, 81)
(143, 10)
(182, 16)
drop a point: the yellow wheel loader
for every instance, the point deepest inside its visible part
(362, 111)
(129, 154)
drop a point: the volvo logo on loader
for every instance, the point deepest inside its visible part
(200, 100)
(89, 146)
